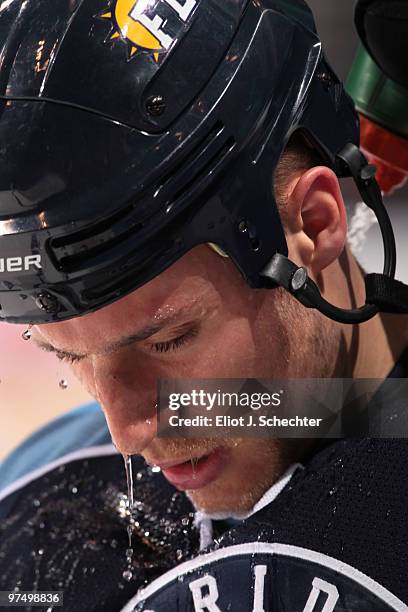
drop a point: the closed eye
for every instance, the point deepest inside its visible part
(67, 357)
(175, 343)
(158, 347)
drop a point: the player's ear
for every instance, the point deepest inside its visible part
(316, 226)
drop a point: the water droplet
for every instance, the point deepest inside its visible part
(129, 478)
(194, 462)
(179, 554)
(130, 533)
(63, 384)
(74, 490)
(92, 545)
(36, 503)
(127, 575)
(40, 551)
(26, 335)
(156, 469)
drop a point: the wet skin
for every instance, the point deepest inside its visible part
(199, 319)
(203, 322)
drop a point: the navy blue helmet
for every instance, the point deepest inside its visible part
(133, 130)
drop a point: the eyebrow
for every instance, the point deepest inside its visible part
(139, 336)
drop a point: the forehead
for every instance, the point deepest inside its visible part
(188, 287)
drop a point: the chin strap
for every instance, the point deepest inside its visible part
(383, 292)
(388, 294)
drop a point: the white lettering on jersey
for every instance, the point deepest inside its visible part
(321, 586)
(208, 602)
(260, 573)
(220, 560)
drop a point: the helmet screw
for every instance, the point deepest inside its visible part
(155, 105)
(299, 279)
(326, 79)
(47, 302)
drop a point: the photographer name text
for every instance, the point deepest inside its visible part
(250, 420)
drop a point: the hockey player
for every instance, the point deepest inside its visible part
(170, 207)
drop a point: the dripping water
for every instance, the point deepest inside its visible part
(62, 527)
(129, 480)
(128, 574)
(194, 462)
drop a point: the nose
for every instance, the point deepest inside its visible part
(129, 406)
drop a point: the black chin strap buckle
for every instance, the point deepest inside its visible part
(383, 292)
(284, 273)
(387, 293)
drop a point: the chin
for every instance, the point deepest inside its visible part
(215, 499)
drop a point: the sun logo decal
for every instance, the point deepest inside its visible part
(144, 25)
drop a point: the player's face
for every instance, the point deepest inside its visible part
(196, 320)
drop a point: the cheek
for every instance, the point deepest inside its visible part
(230, 353)
(254, 457)
(84, 372)
(254, 465)
(238, 348)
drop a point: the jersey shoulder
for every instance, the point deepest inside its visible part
(334, 539)
(73, 431)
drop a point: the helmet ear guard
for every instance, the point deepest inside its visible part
(383, 292)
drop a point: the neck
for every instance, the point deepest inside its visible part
(373, 348)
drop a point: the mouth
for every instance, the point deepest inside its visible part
(196, 472)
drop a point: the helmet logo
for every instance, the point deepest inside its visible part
(20, 264)
(149, 25)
